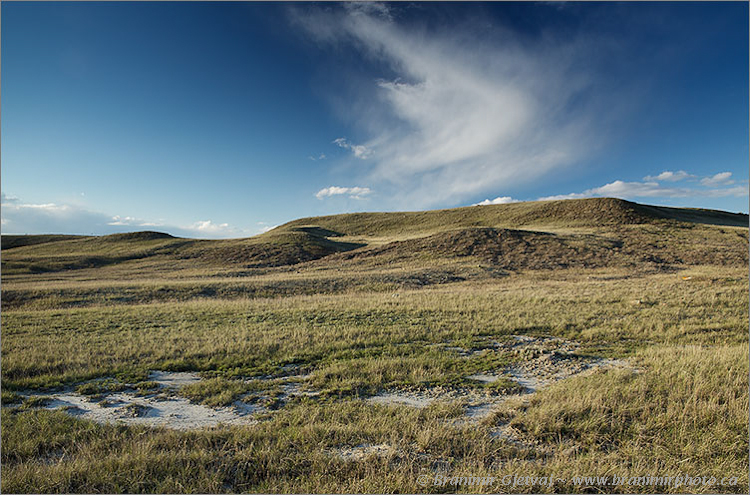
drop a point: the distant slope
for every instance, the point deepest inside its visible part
(76, 252)
(698, 215)
(591, 212)
(276, 248)
(14, 241)
(58, 253)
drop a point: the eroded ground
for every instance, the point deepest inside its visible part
(537, 362)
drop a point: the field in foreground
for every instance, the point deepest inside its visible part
(357, 353)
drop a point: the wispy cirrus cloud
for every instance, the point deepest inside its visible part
(459, 113)
(358, 150)
(52, 218)
(353, 192)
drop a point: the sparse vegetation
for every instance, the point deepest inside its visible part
(354, 305)
(99, 387)
(215, 392)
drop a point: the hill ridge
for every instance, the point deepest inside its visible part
(535, 235)
(586, 212)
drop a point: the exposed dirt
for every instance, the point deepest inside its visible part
(159, 407)
(541, 362)
(173, 379)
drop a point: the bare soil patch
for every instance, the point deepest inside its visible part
(540, 361)
(160, 407)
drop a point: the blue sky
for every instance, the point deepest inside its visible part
(226, 119)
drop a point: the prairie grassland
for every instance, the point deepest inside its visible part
(355, 324)
(685, 413)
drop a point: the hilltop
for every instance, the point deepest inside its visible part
(551, 214)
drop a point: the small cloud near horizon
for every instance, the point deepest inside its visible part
(353, 192)
(715, 186)
(720, 179)
(669, 176)
(500, 200)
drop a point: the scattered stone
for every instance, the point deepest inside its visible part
(134, 410)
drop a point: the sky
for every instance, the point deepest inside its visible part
(216, 120)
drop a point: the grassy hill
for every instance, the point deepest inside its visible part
(14, 241)
(591, 212)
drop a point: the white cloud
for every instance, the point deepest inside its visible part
(23, 218)
(669, 176)
(621, 189)
(652, 189)
(352, 192)
(8, 199)
(736, 191)
(359, 151)
(720, 179)
(52, 218)
(322, 156)
(500, 200)
(457, 113)
(129, 221)
(209, 227)
(264, 227)
(558, 197)
(369, 8)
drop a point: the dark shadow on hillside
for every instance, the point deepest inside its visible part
(698, 215)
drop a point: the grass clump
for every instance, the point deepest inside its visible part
(146, 385)
(9, 397)
(100, 387)
(215, 392)
(36, 402)
(503, 385)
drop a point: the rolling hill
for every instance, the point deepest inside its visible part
(584, 233)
